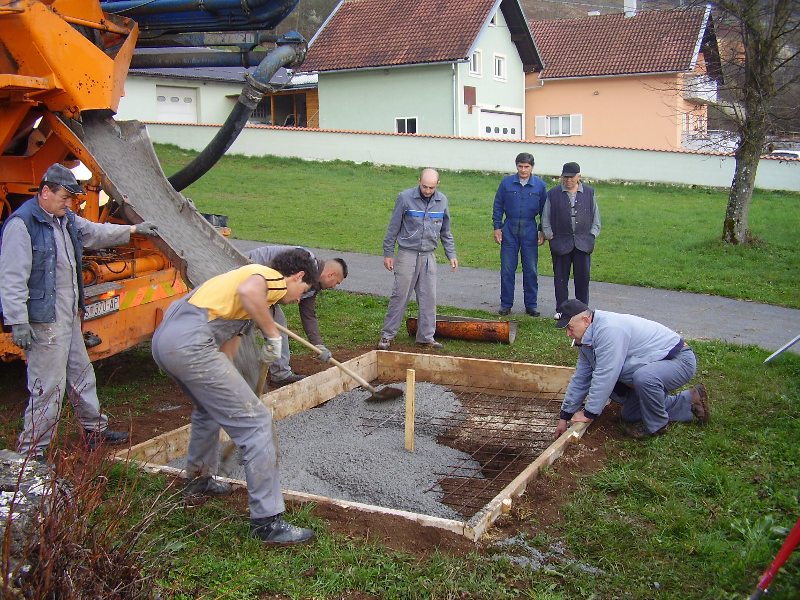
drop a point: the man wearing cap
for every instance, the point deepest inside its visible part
(571, 222)
(518, 201)
(331, 273)
(633, 361)
(42, 300)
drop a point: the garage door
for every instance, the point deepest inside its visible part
(501, 125)
(176, 104)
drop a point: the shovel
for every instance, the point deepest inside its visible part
(387, 393)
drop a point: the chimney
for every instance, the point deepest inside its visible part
(629, 6)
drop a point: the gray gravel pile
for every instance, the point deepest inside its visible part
(354, 450)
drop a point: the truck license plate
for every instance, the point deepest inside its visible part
(102, 307)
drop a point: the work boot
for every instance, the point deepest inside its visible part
(504, 311)
(433, 345)
(274, 531)
(95, 439)
(637, 431)
(291, 378)
(384, 343)
(205, 486)
(532, 312)
(699, 398)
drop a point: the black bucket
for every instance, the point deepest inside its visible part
(216, 220)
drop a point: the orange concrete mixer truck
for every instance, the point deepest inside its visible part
(63, 65)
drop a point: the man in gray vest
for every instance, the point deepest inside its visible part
(42, 301)
(330, 274)
(571, 222)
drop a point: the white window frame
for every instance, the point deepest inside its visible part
(543, 125)
(405, 121)
(501, 73)
(476, 64)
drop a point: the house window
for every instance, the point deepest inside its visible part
(475, 63)
(500, 67)
(559, 125)
(405, 124)
(493, 21)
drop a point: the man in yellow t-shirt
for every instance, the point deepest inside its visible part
(196, 343)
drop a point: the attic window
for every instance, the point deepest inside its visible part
(493, 21)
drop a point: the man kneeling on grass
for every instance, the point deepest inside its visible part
(196, 343)
(632, 361)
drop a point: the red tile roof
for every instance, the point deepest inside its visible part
(379, 33)
(657, 41)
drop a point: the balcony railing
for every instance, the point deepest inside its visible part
(700, 89)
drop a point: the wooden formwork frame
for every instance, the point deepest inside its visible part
(495, 377)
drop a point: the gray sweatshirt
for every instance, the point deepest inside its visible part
(613, 348)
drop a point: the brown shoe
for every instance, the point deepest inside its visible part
(638, 432)
(699, 398)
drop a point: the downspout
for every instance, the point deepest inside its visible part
(290, 52)
(456, 132)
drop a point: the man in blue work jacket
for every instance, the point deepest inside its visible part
(518, 202)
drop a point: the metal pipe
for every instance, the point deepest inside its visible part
(196, 59)
(291, 52)
(202, 15)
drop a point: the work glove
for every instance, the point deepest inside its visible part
(271, 350)
(324, 354)
(147, 228)
(22, 334)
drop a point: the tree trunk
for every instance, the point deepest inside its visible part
(735, 229)
(761, 46)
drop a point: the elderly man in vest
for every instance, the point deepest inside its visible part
(571, 222)
(42, 301)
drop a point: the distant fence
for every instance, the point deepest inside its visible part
(683, 168)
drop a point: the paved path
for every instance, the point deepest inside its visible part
(696, 316)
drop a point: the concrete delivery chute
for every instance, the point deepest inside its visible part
(62, 74)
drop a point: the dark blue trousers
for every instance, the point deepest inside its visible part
(513, 246)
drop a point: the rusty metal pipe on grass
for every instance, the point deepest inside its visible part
(469, 328)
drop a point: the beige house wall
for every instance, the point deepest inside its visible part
(644, 112)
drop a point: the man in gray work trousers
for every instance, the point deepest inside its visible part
(633, 361)
(196, 344)
(421, 218)
(331, 273)
(42, 301)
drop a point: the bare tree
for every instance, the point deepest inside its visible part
(762, 65)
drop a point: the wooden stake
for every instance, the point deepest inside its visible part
(410, 378)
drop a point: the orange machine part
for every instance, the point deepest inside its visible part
(122, 269)
(143, 301)
(34, 65)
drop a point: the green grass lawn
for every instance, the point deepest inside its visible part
(697, 513)
(654, 236)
